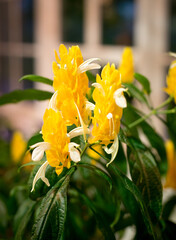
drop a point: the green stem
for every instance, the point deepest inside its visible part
(154, 111)
(85, 148)
(99, 153)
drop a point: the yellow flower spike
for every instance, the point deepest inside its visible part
(171, 81)
(59, 150)
(171, 171)
(109, 104)
(70, 69)
(18, 146)
(126, 67)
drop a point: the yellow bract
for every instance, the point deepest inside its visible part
(107, 115)
(71, 85)
(18, 146)
(66, 70)
(54, 132)
(171, 81)
(126, 67)
(171, 171)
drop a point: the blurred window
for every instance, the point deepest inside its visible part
(3, 21)
(4, 74)
(28, 68)
(118, 22)
(27, 20)
(172, 24)
(73, 21)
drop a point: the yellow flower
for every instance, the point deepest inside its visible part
(72, 105)
(71, 85)
(109, 102)
(171, 81)
(70, 69)
(18, 146)
(171, 171)
(59, 150)
(126, 67)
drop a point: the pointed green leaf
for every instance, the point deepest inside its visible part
(27, 94)
(23, 217)
(97, 171)
(101, 220)
(35, 78)
(136, 93)
(52, 214)
(144, 82)
(146, 176)
(127, 184)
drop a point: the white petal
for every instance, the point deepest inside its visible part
(112, 150)
(74, 153)
(39, 150)
(52, 102)
(90, 106)
(99, 86)
(172, 54)
(77, 132)
(119, 98)
(88, 65)
(41, 174)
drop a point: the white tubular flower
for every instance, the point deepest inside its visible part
(99, 86)
(172, 54)
(77, 132)
(112, 150)
(41, 174)
(90, 106)
(52, 102)
(88, 65)
(119, 98)
(39, 150)
(74, 153)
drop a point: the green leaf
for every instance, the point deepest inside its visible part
(136, 93)
(23, 217)
(27, 94)
(97, 171)
(52, 215)
(3, 214)
(101, 220)
(144, 82)
(168, 207)
(127, 184)
(35, 139)
(146, 176)
(35, 78)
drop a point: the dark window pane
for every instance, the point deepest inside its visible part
(118, 18)
(4, 74)
(28, 68)
(172, 25)
(27, 16)
(73, 20)
(3, 21)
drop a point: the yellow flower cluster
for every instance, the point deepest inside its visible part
(107, 114)
(69, 106)
(171, 81)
